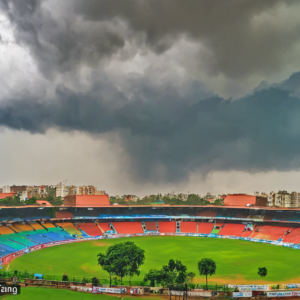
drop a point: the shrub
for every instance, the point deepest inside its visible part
(95, 281)
(65, 277)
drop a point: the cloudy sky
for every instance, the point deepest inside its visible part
(141, 97)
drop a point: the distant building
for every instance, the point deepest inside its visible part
(245, 200)
(6, 195)
(62, 190)
(87, 200)
(6, 189)
(100, 192)
(271, 199)
(18, 188)
(23, 195)
(39, 191)
(295, 199)
(85, 190)
(283, 199)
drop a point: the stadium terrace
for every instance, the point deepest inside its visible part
(24, 229)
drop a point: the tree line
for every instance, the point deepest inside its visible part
(192, 199)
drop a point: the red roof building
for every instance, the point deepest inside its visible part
(87, 200)
(244, 200)
(6, 195)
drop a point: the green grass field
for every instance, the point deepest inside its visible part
(237, 261)
(31, 293)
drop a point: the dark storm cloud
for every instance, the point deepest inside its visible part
(85, 32)
(167, 131)
(259, 132)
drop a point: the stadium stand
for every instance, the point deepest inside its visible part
(62, 233)
(70, 228)
(5, 230)
(272, 233)
(37, 226)
(128, 227)
(90, 228)
(188, 227)
(22, 240)
(21, 227)
(39, 239)
(232, 229)
(247, 233)
(292, 237)
(204, 227)
(55, 237)
(48, 225)
(167, 227)
(5, 250)
(207, 213)
(5, 239)
(104, 226)
(151, 226)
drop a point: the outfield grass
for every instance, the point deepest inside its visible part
(32, 293)
(237, 261)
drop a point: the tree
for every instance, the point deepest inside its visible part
(122, 259)
(207, 266)
(190, 277)
(262, 272)
(151, 276)
(137, 258)
(173, 272)
(106, 263)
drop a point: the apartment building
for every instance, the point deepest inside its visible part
(6, 189)
(283, 199)
(295, 197)
(62, 190)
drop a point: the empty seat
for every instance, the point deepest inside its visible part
(204, 227)
(38, 238)
(293, 237)
(90, 228)
(151, 226)
(128, 227)
(104, 226)
(167, 227)
(272, 233)
(55, 237)
(232, 229)
(5, 230)
(188, 227)
(70, 228)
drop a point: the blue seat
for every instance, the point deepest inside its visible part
(38, 238)
(55, 237)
